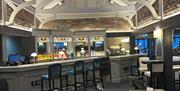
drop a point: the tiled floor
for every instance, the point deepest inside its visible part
(122, 86)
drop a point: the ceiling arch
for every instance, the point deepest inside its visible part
(78, 9)
(110, 23)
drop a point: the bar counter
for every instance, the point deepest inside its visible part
(121, 65)
(34, 66)
(27, 77)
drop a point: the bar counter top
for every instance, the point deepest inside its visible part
(127, 56)
(33, 66)
(26, 67)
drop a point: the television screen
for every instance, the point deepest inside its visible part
(14, 58)
(98, 45)
(41, 48)
(59, 45)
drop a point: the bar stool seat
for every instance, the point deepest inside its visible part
(64, 72)
(143, 69)
(147, 73)
(45, 77)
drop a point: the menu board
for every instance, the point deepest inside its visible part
(43, 39)
(81, 39)
(97, 38)
(62, 39)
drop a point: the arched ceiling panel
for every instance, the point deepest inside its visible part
(143, 14)
(171, 6)
(156, 7)
(111, 23)
(24, 18)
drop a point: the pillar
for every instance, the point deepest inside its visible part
(4, 47)
(132, 44)
(167, 56)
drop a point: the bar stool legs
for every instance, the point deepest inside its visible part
(66, 82)
(102, 82)
(42, 84)
(75, 82)
(179, 81)
(84, 81)
(78, 70)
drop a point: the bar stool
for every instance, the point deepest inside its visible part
(142, 67)
(54, 72)
(99, 65)
(78, 70)
(105, 69)
(4, 85)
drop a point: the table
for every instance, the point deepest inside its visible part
(176, 67)
(158, 68)
(152, 61)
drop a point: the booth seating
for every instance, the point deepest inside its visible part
(142, 67)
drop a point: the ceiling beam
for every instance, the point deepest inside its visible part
(86, 10)
(17, 9)
(149, 4)
(13, 3)
(10, 3)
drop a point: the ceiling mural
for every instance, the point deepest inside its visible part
(112, 23)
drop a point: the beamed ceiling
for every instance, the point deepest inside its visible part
(120, 15)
